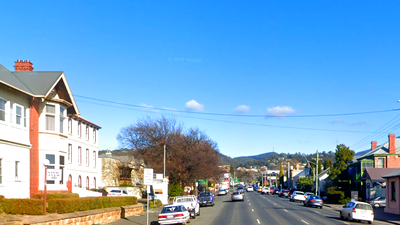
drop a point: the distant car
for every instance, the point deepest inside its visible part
(297, 196)
(284, 193)
(222, 192)
(117, 193)
(378, 202)
(249, 189)
(307, 194)
(172, 214)
(265, 190)
(355, 210)
(314, 200)
(206, 198)
(101, 190)
(276, 191)
(237, 196)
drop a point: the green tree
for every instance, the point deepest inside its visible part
(343, 156)
(327, 163)
(281, 180)
(305, 183)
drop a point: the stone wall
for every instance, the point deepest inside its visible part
(98, 216)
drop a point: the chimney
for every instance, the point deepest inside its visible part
(23, 65)
(374, 145)
(392, 146)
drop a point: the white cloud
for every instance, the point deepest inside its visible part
(149, 107)
(193, 105)
(280, 111)
(336, 121)
(242, 108)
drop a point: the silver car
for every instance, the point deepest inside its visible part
(237, 196)
(172, 214)
(378, 202)
(355, 210)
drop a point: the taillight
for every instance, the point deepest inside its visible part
(178, 215)
(322, 200)
(354, 210)
(312, 200)
(295, 195)
(162, 217)
(372, 213)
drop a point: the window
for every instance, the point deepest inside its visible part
(87, 157)
(87, 183)
(94, 158)
(62, 118)
(50, 117)
(11, 113)
(393, 187)
(381, 163)
(79, 181)
(62, 164)
(79, 129)
(79, 155)
(1, 172)
(16, 169)
(2, 110)
(87, 132)
(52, 160)
(94, 182)
(69, 126)
(70, 153)
(94, 135)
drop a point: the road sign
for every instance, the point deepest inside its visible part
(201, 181)
(148, 177)
(54, 174)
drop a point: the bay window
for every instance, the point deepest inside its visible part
(50, 117)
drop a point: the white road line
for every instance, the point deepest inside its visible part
(274, 203)
(285, 210)
(249, 203)
(304, 222)
(317, 212)
(258, 221)
(252, 210)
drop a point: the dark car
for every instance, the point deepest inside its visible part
(284, 193)
(314, 200)
(206, 198)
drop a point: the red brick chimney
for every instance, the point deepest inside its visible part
(21, 65)
(392, 146)
(374, 145)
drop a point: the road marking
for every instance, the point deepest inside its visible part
(258, 221)
(304, 222)
(285, 210)
(249, 203)
(274, 203)
(317, 212)
(252, 210)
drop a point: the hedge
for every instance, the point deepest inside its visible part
(55, 195)
(22, 206)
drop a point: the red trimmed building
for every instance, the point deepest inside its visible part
(39, 120)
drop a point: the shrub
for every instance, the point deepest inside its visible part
(55, 195)
(344, 200)
(155, 204)
(334, 195)
(22, 206)
(175, 190)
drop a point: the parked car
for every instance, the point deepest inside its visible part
(276, 191)
(355, 210)
(206, 198)
(297, 196)
(172, 214)
(190, 202)
(314, 200)
(222, 192)
(307, 194)
(117, 193)
(237, 196)
(378, 202)
(265, 190)
(249, 188)
(101, 190)
(284, 193)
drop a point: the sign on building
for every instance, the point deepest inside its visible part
(54, 174)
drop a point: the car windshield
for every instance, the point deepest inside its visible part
(171, 209)
(315, 197)
(299, 193)
(116, 191)
(364, 206)
(205, 194)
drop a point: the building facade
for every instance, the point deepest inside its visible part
(40, 121)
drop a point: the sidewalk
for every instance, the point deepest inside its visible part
(379, 214)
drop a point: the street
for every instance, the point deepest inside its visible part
(255, 209)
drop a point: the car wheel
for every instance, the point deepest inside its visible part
(320, 207)
(341, 216)
(198, 214)
(370, 222)
(349, 218)
(377, 205)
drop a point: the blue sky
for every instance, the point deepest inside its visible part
(285, 58)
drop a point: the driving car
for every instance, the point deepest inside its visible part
(189, 202)
(206, 198)
(249, 188)
(378, 202)
(237, 196)
(222, 192)
(314, 200)
(355, 210)
(172, 214)
(265, 190)
(297, 196)
(117, 193)
(284, 193)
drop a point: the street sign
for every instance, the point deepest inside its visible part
(148, 177)
(201, 181)
(54, 174)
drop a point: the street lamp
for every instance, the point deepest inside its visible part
(46, 163)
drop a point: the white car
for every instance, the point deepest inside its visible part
(117, 193)
(190, 202)
(172, 214)
(355, 210)
(249, 188)
(297, 196)
(237, 196)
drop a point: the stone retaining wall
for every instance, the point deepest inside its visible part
(98, 216)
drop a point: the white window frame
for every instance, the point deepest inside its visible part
(94, 135)
(17, 170)
(1, 170)
(79, 155)
(87, 157)
(87, 132)
(69, 153)
(70, 126)
(4, 110)
(50, 115)
(94, 159)
(383, 163)
(62, 118)
(79, 129)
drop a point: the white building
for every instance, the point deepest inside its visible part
(40, 120)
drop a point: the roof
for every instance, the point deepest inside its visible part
(382, 149)
(304, 173)
(39, 84)
(394, 173)
(376, 174)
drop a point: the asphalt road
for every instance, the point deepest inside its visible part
(255, 209)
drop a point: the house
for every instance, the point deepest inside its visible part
(40, 121)
(392, 192)
(374, 182)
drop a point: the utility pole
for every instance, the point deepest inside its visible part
(317, 179)
(165, 150)
(288, 175)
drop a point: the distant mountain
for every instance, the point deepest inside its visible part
(244, 159)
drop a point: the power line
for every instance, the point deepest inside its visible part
(235, 115)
